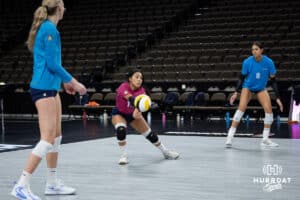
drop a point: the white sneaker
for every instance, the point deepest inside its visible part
(58, 188)
(23, 193)
(268, 143)
(171, 155)
(123, 160)
(228, 142)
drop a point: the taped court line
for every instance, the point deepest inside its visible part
(8, 147)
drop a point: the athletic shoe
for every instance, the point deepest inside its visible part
(23, 193)
(228, 141)
(58, 188)
(268, 143)
(171, 155)
(123, 160)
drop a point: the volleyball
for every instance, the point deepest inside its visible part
(142, 102)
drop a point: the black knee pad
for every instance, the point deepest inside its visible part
(121, 133)
(152, 137)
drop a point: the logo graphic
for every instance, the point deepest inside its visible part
(274, 170)
(273, 179)
(257, 75)
(20, 193)
(49, 37)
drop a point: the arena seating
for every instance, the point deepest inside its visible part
(174, 42)
(213, 44)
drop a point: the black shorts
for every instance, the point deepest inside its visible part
(37, 94)
(127, 117)
(255, 91)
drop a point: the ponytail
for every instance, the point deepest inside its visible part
(40, 15)
(48, 8)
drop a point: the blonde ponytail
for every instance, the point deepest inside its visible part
(48, 7)
(40, 15)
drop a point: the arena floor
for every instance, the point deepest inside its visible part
(206, 170)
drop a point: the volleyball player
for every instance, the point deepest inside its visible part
(125, 113)
(48, 75)
(257, 70)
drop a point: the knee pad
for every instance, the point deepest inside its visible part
(268, 118)
(42, 148)
(121, 131)
(238, 116)
(56, 145)
(151, 136)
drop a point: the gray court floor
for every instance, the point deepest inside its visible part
(206, 170)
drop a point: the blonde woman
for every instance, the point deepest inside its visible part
(48, 75)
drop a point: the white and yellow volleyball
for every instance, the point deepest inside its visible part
(142, 102)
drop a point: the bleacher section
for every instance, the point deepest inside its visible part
(14, 16)
(100, 35)
(179, 45)
(212, 45)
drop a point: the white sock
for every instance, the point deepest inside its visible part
(51, 175)
(24, 178)
(162, 147)
(231, 131)
(123, 149)
(266, 133)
